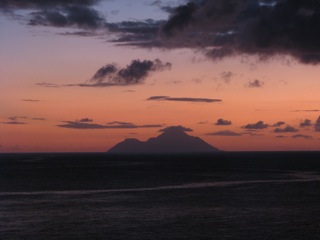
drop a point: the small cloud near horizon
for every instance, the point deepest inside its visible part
(225, 133)
(278, 124)
(223, 122)
(317, 125)
(306, 123)
(287, 129)
(112, 125)
(302, 136)
(257, 125)
(182, 99)
(176, 129)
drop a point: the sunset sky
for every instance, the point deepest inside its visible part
(82, 75)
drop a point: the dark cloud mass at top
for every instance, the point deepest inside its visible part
(79, 16)
(266, 28)
(220, 28)
(13, 4)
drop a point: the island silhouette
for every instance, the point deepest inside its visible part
(173, 139)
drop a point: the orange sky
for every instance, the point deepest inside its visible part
(30, 113)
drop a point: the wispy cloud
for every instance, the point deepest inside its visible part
(306, 110)
(20, 120)
(48, 85)
(111, 125)
(14, 123)
(30, 100)
(226, 76)
(302, 136)
(226, 133)
(183, 99)
(255, 84)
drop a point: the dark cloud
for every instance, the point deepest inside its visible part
(257, 125)
(135, 32)
(106, 71)
(135, 73)
(255, 84)
(306, 123)
(222, 122)
(183, 99)
(317, 125)
(176, 129)
(85, 120)
(228, 27)
(180, 17)
(68, 16)
(302, 136)
(287, 129)
(278, 124)
(80, 33)
(112, 125)
(226, 133)
(31, 4)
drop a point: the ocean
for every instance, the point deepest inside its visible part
(225, 195)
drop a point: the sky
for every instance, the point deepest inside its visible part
(83, 75)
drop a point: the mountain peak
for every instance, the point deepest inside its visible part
(173, 139)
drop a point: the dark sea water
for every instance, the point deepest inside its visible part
(220, 196)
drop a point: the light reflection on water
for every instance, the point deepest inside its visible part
(139, 202)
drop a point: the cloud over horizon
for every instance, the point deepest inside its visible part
(176, 129)
(256, 126)
(317, 125)
(226, 133)
(111, 125)
(306, 123)
(183, 99)
(287, 129)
